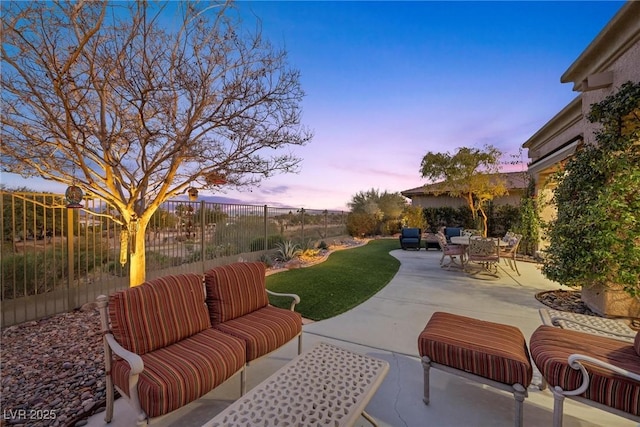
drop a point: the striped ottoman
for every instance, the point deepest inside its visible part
(487, 352)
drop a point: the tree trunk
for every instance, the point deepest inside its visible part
(472, 206)
(137, 260)
(484, 223)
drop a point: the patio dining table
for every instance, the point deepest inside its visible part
(464, 241)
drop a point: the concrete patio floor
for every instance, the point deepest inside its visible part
(387, 326)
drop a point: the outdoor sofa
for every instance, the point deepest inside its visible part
(450, 232)
(173, 339)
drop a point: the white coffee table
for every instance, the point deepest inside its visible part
(326, 385)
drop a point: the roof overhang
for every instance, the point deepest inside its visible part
(565, 119)
(591, 69)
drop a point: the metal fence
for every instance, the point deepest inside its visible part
(56, 259)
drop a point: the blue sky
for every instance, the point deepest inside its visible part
(387, 82)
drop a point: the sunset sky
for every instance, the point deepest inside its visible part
(387, 82)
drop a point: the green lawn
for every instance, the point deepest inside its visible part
(346, 279)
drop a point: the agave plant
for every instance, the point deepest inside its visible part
(287, 250)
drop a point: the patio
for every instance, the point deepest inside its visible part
(387, 326)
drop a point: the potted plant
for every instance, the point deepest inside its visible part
(595, 239)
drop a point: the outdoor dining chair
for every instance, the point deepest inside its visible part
(451, 251)
(508, 253)
(484, 251)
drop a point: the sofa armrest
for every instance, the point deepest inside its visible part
(134, 360)
(296, 298)
(575, 363)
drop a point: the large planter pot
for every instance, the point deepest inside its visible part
(610, 301)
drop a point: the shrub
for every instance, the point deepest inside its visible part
(390, 227)
(503, 218)
(361, 224)
(39, 272)
(448, 216)
(500, 219)
(594, 238)
(529, 222)
(413, 216)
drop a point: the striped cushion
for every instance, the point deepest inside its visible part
(234, 290)
(490, 350)
(550, 348)
(636, 343)
(183, 372)
(159, 312)
(264, 330)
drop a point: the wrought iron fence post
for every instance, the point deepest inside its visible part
(71, 294)
(326, 222)
(202, 236)
(266, 231)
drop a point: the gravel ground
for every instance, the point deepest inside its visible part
(52, 370)
(565, 301)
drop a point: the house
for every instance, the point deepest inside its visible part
(611, 59)
(435, 195)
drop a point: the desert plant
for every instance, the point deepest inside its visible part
(594, 239)
(308, 254)
(308, 244)
(266, 260)
(287, 250)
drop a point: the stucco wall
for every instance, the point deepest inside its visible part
(625, 68)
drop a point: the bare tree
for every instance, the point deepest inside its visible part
(136, 102)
